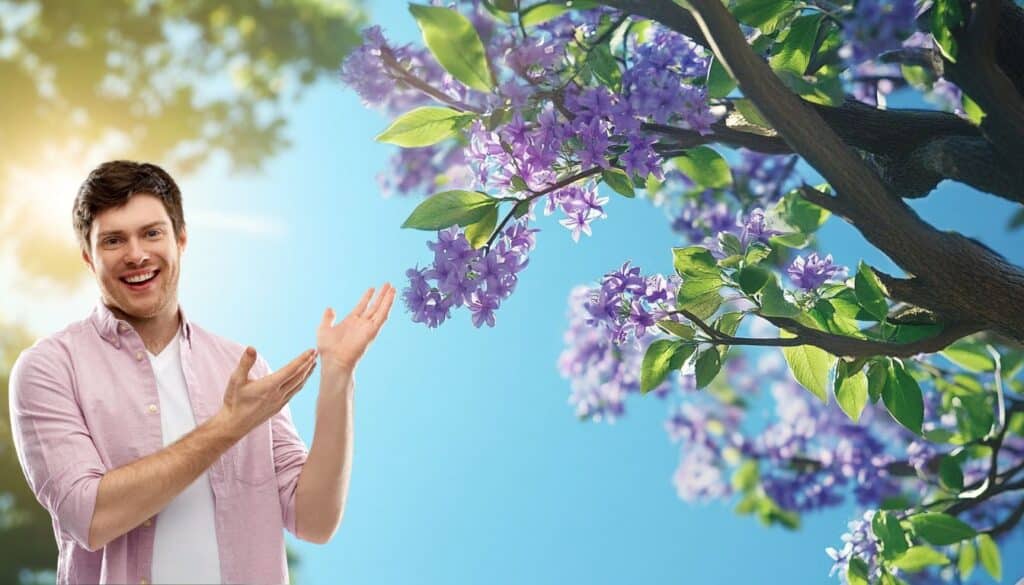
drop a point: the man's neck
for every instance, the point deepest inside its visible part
(157, 331)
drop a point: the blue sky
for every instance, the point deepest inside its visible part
(470, 466)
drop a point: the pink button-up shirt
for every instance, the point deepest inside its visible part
(84, 401)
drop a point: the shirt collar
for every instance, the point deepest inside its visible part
(110, 328)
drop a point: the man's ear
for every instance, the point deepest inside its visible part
(88, 259)
(182, 240)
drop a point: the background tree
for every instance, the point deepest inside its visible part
(518, 103)
(171, 81)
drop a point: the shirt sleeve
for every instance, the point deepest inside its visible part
(290, 455)
(53, 443)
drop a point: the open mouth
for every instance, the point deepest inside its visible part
(138, 285)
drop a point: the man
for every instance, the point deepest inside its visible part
(163, 452)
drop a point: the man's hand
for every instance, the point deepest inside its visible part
(343, 345)
(247, 403)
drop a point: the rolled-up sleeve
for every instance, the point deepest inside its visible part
(290, 455)
(53, 443)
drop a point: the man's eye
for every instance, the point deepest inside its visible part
(110, 241)
(154, 232)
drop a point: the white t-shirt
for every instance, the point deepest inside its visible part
(185, 544)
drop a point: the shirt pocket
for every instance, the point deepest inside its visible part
(252, 458)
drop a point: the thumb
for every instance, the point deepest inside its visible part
(245, 363)
(328, 318)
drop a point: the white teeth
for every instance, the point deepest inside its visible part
(139, 278)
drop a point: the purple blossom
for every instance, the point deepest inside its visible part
(461, 275)
(876, 26)
(812, 272)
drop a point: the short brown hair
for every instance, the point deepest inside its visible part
(113, 183)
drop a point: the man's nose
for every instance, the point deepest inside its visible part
(135, 253)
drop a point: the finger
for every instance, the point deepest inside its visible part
(299, 383)
(294, 366)
(370, 310)
(328, 318)
(245, 364)
(286, 383)
(362, 302)
(381, 314)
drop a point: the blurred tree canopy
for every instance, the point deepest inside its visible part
(171, 81)
(168, 81)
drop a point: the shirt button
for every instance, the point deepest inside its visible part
(144, 582)
(123, 327)
(147, 523)
(152, 408)
(138, 356)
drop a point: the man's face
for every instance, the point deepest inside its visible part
(131, 242)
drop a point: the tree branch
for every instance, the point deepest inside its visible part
(838, 345)
(981, 70)
(958, 279)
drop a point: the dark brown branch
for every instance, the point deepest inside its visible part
(960, 280)
(837, 345)
(988, 69)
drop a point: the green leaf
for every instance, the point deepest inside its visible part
(946, 16)
(720, 84)
(706, 167)
(763, 14)
(700, 296)
(655, 366)
(857, 572)
(541, 13)
(967, 561)
(902, 397)
(800, 213)
(878, 373)
(448, 208)
(756, 252)
(676, 328)
(752, 279)
(750, 113)
(619, 182)
(604, 66)
(971, 108)
(479, 232)
(827, 91)
(793, 49)
(869, 293)
(920, 557)
(706, 367)
(969, 355)
(988, 552)
(774, 303)
(810, 366)
(729, 243)
(694, 261)
(940, 529)
(728, 323)
(852, 394)
(746, 476)
(888, 531)
(455, 44)
(423, 126)
(951, 477)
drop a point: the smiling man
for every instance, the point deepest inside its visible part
(163, 452)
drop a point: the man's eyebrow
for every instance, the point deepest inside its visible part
(143, 228)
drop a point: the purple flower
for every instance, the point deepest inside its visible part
(812, 272)
(876, 26)
(755, 229)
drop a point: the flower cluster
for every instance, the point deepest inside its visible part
(813, 271)
(462, 275)
(876, 26)
(610, 328)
